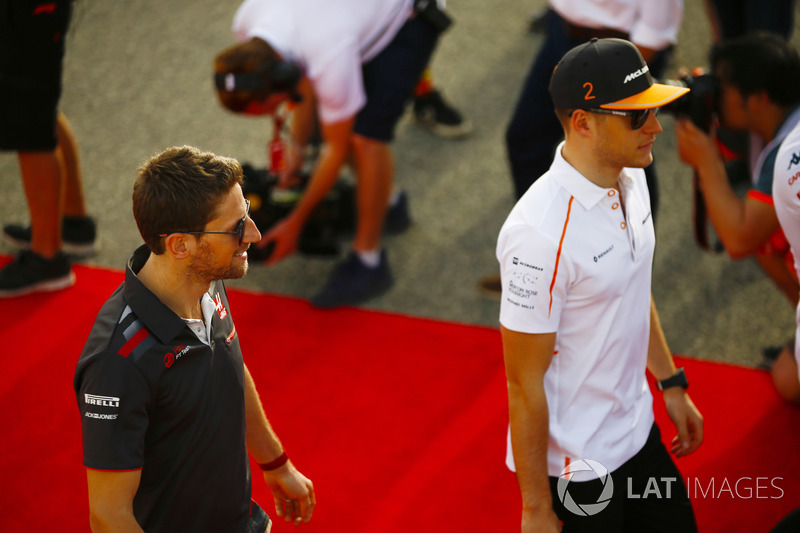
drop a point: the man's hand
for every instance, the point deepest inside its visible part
(687, 419)
(695, 147)
(284, 236)
(293, 493)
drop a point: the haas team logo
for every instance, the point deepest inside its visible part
(218, 305)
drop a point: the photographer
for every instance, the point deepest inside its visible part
(759, 92)
(354, 65)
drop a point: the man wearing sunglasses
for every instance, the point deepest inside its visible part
(579, 327)
(169, 409)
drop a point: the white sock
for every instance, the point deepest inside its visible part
(370, 258)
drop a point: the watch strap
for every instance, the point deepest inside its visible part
(678, 380)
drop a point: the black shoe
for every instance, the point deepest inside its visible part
(440, 117)
(398, 218)
(30, 272)
(352, 283)
(78, 236)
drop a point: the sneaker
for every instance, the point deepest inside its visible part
(398, 218)
(352, 283)
(78, 236)
(30, 272)
(440, 117)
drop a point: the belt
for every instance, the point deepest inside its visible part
(581, 33)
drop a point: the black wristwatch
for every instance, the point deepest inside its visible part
(678, 380)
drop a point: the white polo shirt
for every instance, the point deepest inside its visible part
(330, 40)
(786, 195)
(650, 24)
(573, 264)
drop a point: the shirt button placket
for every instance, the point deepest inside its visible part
(623, 225)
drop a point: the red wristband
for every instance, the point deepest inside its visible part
(281, 460)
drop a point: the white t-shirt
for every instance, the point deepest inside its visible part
(330, 40)
(573, 264)
(650, 23)
(786, 195)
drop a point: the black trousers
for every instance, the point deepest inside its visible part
(648, 495)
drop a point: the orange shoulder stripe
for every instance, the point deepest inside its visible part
(558, 255)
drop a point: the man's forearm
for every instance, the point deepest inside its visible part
(304, 116)
(529, 439)
(659, 357)
(334, 154)
(725, 209)
(262, 442)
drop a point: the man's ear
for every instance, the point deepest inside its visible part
(180, 245)
(582, 123)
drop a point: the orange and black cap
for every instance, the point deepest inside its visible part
(609, 74)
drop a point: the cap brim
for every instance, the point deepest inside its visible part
(656, 95)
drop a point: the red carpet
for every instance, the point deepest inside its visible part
(400, 422)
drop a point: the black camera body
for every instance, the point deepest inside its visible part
(700, 104)
(330, 220)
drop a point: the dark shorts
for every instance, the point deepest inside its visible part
(649, 494)
(390, 78)
(31, 53)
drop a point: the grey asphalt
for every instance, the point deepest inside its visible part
(138, 79)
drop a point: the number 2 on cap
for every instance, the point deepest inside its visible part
(590, 88)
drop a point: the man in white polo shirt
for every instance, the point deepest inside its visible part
(578, 324)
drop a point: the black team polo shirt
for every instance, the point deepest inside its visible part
(154, 398)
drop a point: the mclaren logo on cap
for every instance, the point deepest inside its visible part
(633, 75)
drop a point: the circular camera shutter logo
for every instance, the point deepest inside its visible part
(585, 509)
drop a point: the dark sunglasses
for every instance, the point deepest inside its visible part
(638, 116)
(238, 230)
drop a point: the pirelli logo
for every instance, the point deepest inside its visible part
(103, 401)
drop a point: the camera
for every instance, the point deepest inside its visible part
(331, 219)
(700, 104)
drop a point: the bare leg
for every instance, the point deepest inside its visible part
(41, 178)
(375, 174)
(74, 202)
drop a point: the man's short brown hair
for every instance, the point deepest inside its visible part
(248, 56)
(179, 190)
